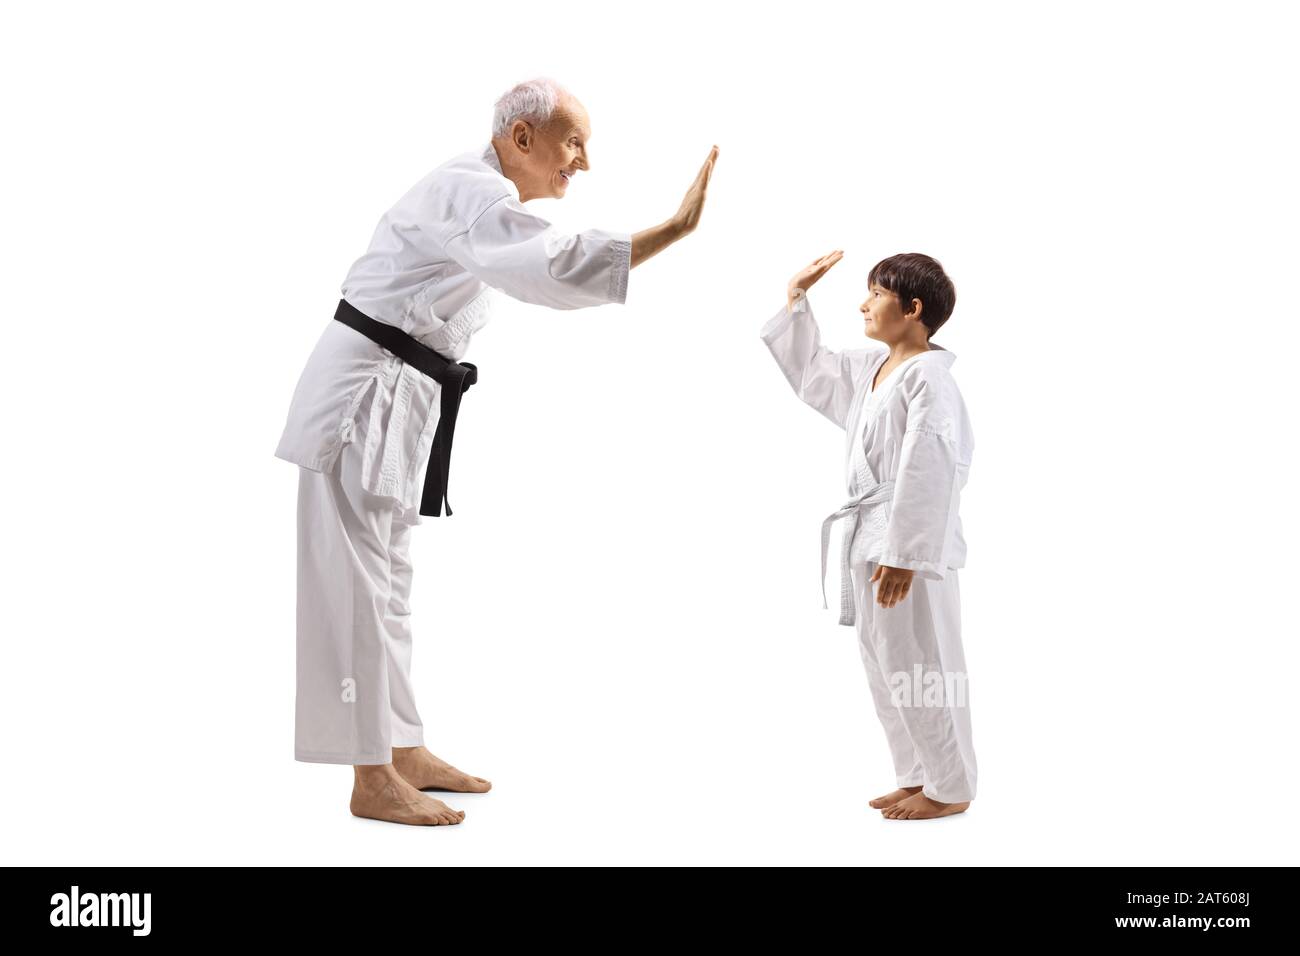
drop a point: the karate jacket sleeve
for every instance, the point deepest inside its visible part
(518, 252)
(934, 461)
(823, 379)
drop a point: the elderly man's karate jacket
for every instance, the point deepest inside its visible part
(433, 262)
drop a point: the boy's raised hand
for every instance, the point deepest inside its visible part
(894, 584)
(807, 277)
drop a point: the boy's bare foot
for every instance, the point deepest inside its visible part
(920, 807)
(380, 793)
(889, 799)
(423, 771)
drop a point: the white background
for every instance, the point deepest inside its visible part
(621, 626)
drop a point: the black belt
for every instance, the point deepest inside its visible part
(454, 377)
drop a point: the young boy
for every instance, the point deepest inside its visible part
(909, 452)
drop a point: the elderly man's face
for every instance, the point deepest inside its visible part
(551, 155)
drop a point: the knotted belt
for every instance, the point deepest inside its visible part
(873, 497)
(455, 379)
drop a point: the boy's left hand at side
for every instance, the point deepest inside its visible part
(895, 583)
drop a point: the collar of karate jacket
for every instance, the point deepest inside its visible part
(937, 355)
(490, 157)
(493, 162)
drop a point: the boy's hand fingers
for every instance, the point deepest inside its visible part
(893, 588)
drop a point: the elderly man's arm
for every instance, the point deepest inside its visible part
(513, 249)
(648, 242)
(517, 251)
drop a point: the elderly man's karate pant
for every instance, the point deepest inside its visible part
(926, 719)
(355, 701)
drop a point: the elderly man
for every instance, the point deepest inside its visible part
(378, 398)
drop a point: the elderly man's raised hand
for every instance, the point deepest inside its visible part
(688, 216)
(649, 242)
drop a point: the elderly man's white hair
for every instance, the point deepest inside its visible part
(534, 101)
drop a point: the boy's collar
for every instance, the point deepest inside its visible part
(939, 354)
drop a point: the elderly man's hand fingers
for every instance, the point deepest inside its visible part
(707, 169)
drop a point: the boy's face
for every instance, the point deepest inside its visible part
(884, 317)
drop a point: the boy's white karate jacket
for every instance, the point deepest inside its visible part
(912, 433)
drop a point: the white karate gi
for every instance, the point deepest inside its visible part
(361, 423)
(908, 453)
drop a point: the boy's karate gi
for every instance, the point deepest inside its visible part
(909, 445)
(361, 422)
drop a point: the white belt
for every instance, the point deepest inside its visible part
(873, 497)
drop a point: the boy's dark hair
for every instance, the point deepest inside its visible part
(912, 275)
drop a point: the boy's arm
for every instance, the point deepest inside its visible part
(933, 464)
(824, 379)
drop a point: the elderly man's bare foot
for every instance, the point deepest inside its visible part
(920, 807)
(889, 799)
(423, 771)
(380, 793)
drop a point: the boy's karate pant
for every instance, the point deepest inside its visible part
(355, 701)
(926, 718)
